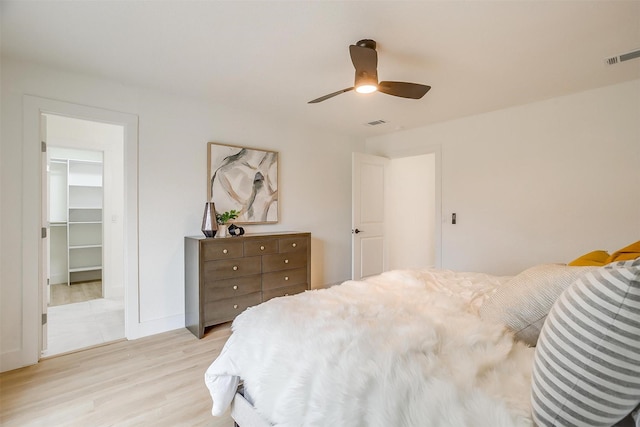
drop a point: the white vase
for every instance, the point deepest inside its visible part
(222, 230)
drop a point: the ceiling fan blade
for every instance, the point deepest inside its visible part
(404, 89)
(331, 95)
(364, 59)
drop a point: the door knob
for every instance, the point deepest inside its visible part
(356, 231)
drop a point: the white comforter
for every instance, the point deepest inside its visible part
(405, 348)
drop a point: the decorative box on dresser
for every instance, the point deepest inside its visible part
(224, 276)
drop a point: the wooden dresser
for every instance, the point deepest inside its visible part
(224, 276)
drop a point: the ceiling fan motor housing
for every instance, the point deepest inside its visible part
(368, 43)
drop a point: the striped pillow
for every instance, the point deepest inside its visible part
(523, 303)
(587, 363)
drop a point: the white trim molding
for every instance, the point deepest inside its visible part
(28, 350)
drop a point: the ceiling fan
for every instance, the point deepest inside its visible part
(365, 60)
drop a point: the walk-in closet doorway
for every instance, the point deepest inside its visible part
(84, 295)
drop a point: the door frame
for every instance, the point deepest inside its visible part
(45, 244)
(32, 266)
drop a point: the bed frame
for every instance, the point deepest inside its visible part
(244, 414)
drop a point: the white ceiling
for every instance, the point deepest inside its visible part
(271, 57)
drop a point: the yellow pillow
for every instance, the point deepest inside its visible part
(626, 254)
(597, 258)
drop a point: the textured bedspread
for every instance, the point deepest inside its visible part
(405, 348)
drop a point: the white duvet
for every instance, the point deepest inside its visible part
(405, 348)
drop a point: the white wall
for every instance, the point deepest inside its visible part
(409, 229)
(543, 182)
(173, 135)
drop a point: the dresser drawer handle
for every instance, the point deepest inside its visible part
(294, 244)
(235, 268)
(286, 277)
(235, 287)
(262, 248)
(235, 305)
(286, 261)
(224, 251)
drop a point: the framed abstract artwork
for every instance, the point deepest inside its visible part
(243, 179)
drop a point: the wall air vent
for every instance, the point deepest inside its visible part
(375, 123)
(623, 57)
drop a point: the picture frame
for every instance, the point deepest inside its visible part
(243, 179)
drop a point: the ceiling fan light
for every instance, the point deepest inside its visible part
(366, 88)
(366, 81)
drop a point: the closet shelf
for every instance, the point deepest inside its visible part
(84, 246)
(90, 268)
(86, 185)
(81, 198)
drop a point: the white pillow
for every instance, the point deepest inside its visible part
(522, 304)
(586, 368)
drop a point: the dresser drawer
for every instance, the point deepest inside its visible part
(220, 289)
(216, 312)
(284, 261)
(281, 292)
(292, 244)
(227, 268)
(260, 247)
(278, 279)
(215, 249)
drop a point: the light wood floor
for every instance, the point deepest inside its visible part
(62, 294)
(155, 381)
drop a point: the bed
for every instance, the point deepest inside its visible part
(406, 348)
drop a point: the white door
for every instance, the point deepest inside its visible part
(368, 186)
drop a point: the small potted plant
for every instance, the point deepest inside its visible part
(223, 219)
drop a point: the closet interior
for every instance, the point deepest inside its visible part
(75, 206)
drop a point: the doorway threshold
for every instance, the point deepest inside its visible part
(84, 324)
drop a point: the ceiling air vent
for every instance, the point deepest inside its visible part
(623, 57)
(375, 123)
